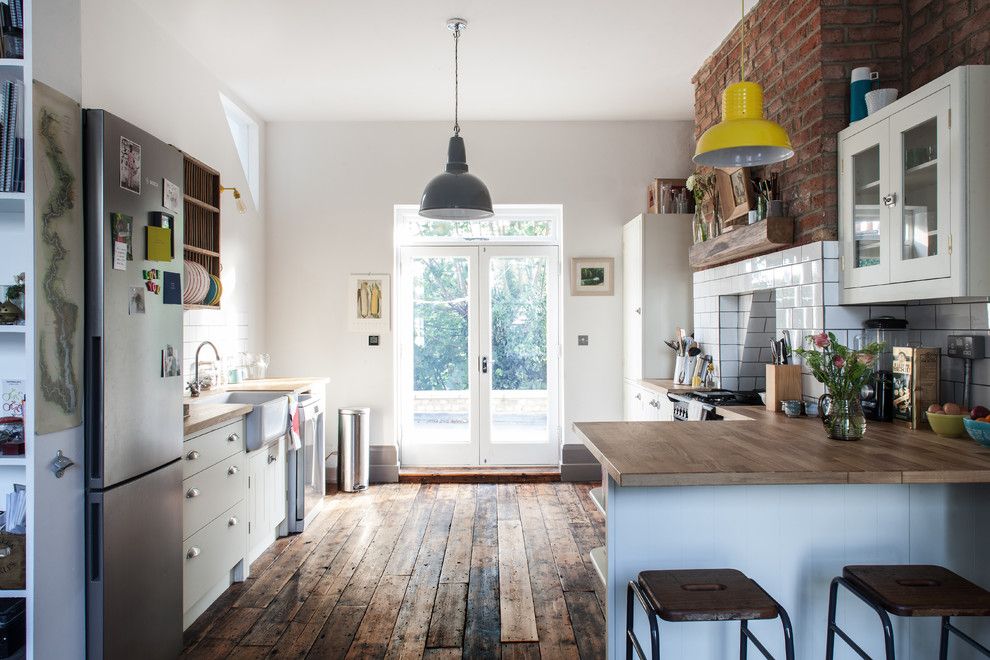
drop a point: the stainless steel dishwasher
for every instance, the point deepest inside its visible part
(307, 475)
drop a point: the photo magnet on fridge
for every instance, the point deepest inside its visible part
(171, 196)
(171, 288)
(121, 228)
(170, 362)
(135, 300)
(130, 165)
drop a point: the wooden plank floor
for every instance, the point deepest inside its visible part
(423, 571)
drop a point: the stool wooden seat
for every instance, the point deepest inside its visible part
(722, 594)
(920, 590)
(908, 590)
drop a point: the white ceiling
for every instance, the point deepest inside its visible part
(293, 60)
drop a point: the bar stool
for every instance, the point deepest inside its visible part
(702, 595)
(909, 590)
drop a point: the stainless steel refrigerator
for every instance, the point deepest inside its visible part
(133, 396)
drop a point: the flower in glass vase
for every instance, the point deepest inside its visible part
(843, 371)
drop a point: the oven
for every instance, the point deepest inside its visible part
(682, 404)
(307, 475)
(710, 401)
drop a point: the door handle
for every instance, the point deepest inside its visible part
(484, 365)
(890, 199)
(639, 310)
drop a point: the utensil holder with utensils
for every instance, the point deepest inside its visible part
(783, 383)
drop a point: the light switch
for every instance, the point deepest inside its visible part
(582, 340)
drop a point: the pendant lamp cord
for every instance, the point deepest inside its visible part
(742, 44)
(457, 126)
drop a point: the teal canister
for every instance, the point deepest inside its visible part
(859, 84)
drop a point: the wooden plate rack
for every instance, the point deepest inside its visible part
(201, 207)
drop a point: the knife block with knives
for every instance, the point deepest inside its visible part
(783, 384)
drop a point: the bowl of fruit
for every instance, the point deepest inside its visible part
(947, 419)
(978, 425)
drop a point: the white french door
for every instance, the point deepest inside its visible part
(478, 355)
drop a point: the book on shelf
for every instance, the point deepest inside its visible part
(11, 136)
(12, 29)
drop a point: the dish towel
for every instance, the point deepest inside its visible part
(293, 424)
(695, 411)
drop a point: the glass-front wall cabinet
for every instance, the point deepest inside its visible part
(894, 210)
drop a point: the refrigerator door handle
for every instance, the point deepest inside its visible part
(95, 541)
(94, 415)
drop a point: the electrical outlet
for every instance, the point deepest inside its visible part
(972, 347)
(373, 340)
(582, 340)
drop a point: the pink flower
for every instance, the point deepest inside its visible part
(821, 340)
(865, 358)
(839, 361)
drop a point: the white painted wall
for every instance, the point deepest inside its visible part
(330, 189)
(134, 69)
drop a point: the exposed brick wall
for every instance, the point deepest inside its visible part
(801, 52)
(943, 34)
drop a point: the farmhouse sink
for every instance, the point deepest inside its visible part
(266, 423)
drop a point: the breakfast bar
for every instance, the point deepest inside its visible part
(773, 497)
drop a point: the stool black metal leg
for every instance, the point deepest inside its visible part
(631, 640)
(943, 642)
(785, 622)
(834, 629)
(743, 641)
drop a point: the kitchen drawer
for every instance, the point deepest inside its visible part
(212, 491)
(202, 451)
(209, 554)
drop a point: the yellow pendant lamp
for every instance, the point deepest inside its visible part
(743, 138)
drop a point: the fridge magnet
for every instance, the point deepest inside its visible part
(130, 165)
(121, 232)
(135, 301)
(151, 280)
(159, 242)
(592, 276)
(368, 302)
(170, 362)
(171, 288)
(171, 196)
(160, 219)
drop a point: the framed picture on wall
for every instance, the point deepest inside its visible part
(735, 194)
(592, 276)
(368, 299)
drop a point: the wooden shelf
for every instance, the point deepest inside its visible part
(13, 460)
(13, 329)
(745, 241)
(199, 250)
(201, 204)
(191, 306)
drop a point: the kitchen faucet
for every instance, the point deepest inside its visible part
(194, 385)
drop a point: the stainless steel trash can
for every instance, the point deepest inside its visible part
(353, 449)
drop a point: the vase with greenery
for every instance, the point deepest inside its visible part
(702, 186)
(844, 372)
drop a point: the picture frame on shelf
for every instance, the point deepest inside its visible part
(368, 299)
(735, 195)
(592, 276)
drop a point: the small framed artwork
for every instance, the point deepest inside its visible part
(735, 194)
(592, 276)
(130, 165)
(368, 299)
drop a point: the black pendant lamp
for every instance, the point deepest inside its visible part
(455, 194)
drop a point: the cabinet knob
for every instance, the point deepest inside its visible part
(192, 456)
(192, 492)
(232, 470)
(193, 552)
(639, 310)
(639, 397)
(890, 199)
(233, 437)
(233, 521)
(271, 459)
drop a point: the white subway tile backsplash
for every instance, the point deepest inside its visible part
(830, 249)
(978, 315)
(846, 317)
(830, 270)
(791, 256)
(953, 317)
(811, 251)
(920, 317)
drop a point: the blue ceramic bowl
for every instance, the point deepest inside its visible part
(979, 431)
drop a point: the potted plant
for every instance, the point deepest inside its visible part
(843, 371)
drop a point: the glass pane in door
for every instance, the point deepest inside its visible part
(519, 401)
(919, 212)
(866, 208)
(441, 397)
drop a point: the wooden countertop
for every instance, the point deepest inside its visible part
(760, 447)
(204, 415)
(286, 385)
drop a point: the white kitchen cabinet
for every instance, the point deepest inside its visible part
(657, 292)
(644, 404)
(913, 194)
(214, 524)
(266, 496)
